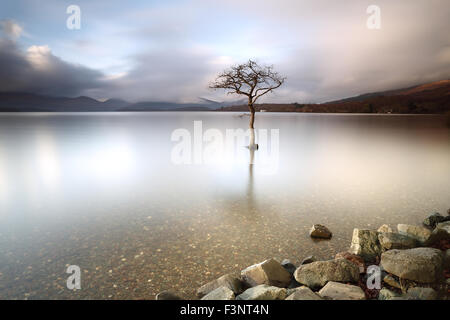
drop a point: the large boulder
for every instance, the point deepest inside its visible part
(340, 291)
(231, 281)
(320, 231)
(421, 234)
(434, 219)
(221, 293)
(352, 258)
(418, 264)
(390, 240)
(303, 293)
(365, 243)
(317, 274)
(269, 272)
(263, 292)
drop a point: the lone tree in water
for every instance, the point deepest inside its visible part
(251, 80)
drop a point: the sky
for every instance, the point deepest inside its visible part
(171, 50)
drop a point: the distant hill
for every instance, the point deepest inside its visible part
(29, 102)
(426, 98)
(428, 88)
(32, 102)
(431, 97)
(202, 105)
(166, 106)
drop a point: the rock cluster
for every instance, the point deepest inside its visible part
(414, 263)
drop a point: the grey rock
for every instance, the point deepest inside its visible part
(167, 295)
(269, 272)
(231, 281)
(418, 264)
(263, 292)
(289, 266)
(421, 234)
(303, 293)
(320, 231)
(317, 274)
(390, 240)
(308, 259)
(386, 294)
(434, 219)
(340, 291)
(365, 243)
(221, 293)
(384, 228)
(418, 293)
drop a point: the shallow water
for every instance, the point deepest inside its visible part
(104, 192)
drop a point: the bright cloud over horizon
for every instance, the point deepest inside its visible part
(171, 50)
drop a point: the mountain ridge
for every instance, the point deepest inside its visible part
(432, 97)
(428, 98)
(30, 102)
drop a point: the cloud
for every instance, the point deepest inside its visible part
(171, 51)
(38, 71)
(324, 48)
(10, 28)
(177, 75)
(327, 52)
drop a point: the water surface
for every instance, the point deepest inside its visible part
(101, 191)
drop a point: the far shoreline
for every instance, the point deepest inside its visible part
(225, 111)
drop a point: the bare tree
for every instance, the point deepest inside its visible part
(251, 80)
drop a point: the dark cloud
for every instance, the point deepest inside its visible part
(37, 70)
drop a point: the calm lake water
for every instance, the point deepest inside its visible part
(107, 192)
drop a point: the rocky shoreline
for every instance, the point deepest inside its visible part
(412, 263)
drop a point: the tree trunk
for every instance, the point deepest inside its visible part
(252, 114)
